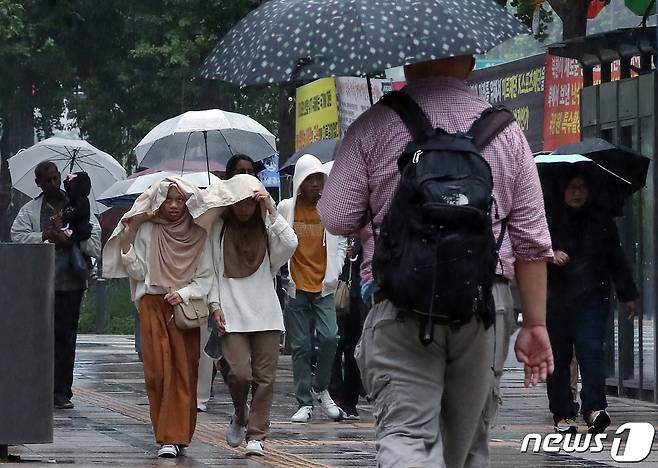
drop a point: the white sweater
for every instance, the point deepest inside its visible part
(250, 304)
(136, 262)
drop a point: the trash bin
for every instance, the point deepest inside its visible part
(27, 276)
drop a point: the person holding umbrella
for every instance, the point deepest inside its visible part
(588, 259)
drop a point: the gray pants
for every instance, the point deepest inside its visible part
(429, 401)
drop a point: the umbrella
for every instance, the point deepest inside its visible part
(324, 150)
(209, 136)
(289, 40)
(69, 156)
(607, 190)
(124, 192)
(622, 161)
(641, 7)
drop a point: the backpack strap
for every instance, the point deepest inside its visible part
(493, 120)
(410, 112)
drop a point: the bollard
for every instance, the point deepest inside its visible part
(27, 276)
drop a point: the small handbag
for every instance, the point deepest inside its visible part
(194, 314)
(342, 295)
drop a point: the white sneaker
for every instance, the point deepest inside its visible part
(255, 447)
(327, 404)
(168, 451)
(303, 414)
(201, 407)
(235, 434)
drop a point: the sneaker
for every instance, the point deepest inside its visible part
(351, 414)
(327, 404)
(63, 403)
(201, 407)
(303, 414)
(235, 434)
(597, 421)
(255, 447)
(168, 451)
(181, 450)
(566, 426)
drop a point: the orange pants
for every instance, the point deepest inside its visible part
(170, 357)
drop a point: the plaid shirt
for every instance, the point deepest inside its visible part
(365, 177)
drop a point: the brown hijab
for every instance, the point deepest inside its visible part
(175, 250)
(245, 245)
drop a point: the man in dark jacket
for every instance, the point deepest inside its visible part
(588, 257)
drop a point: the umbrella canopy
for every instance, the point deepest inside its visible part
(324, 150)
(607, 190)
(624, 162)
(289, 40)
(69, 156)
(209, 136)
(124, 192)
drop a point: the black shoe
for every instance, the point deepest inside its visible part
(351, 414)
(63, 403)
(597, 421)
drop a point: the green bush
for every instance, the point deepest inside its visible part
(119, 309)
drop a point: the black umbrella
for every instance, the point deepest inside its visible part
(324, 150)
(624, 162)
(607, 190)
(289, 40)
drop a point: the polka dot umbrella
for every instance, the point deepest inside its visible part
(289, 40)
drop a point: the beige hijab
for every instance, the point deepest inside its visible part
(175, 249)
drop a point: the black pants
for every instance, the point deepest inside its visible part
(67, 314)
(583, 328)
(345, 383)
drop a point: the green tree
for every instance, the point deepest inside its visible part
(34, 75)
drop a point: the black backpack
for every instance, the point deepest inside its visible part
(436, 254)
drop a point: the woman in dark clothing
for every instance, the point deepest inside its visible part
(588, 257)
(345, 385)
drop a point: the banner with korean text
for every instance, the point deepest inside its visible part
(316, 112)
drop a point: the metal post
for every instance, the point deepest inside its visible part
(655, 236)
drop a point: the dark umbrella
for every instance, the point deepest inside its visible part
(607, 190)
(624, 162)
(324, 150)
(289, 40)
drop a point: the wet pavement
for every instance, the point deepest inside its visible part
(110, 424)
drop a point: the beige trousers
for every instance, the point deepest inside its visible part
(252, 359)
(428, 401)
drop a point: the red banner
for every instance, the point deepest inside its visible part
(564, 80)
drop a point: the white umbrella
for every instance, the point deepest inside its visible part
(69, 156)
(204, 138)
(124, 192)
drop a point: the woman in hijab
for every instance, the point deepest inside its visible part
(168, 258)
(250, 244)
(588, 258)
(237, 164)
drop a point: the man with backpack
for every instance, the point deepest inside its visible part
(433, 179)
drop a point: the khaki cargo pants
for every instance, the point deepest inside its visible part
(428, 401)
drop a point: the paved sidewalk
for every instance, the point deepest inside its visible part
(110, 424)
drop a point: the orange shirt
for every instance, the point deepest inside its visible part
(309, 263)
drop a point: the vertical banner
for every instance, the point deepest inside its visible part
(564, 80)
(519, 86)
(316, 112)
(354, 98)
